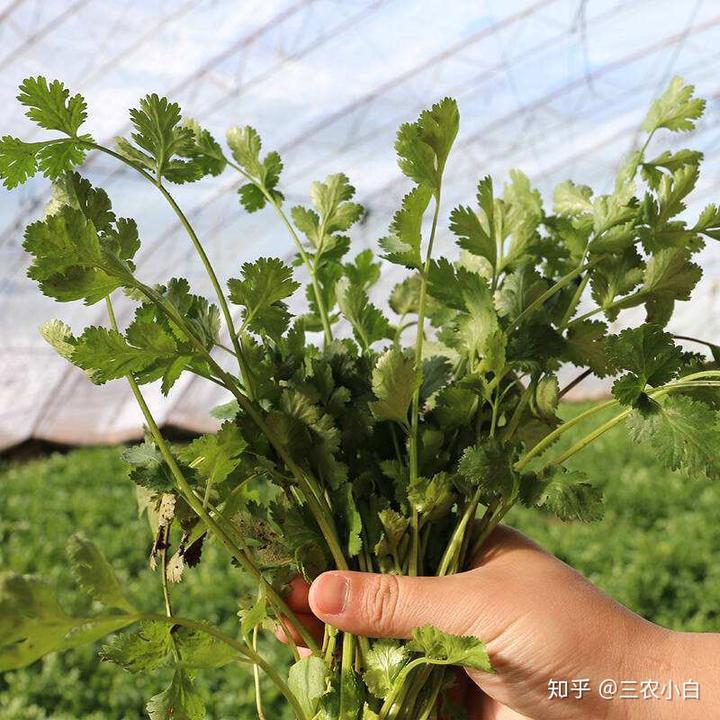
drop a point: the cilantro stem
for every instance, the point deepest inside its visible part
(347, 701)
(453, 547)
(398, 685)
(555, 434)
(570, 310)
(413, 560)
(241, 555)
(563, 282)
(200, 250)
(602, 429)
(322, 310)
(619, 304)
(687, 338)
(240, 647)
(163, 566)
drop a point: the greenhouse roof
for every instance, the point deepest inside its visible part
(557, 88)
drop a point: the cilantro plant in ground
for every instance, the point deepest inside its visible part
(397, 449)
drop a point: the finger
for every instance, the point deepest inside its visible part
(314, 626)
(393, 606)
(297, 598)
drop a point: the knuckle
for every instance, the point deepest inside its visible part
(381, 602)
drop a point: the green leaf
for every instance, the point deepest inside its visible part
(402, 245)
(253, 617)
(158, 131)
(199, 650)
(215, 456)
(383, 663)
(520, 289)
(363, 270)
(59, 335)
(141, 650)
(264, 285)
(685, 434)
(441, 648)
(649, 354)
(33, 624)
(573, 200)
(331, 200)
(179, 701)
(309, 680)
(709, 222)
(95, 575)
(393, 382)
(676, 109)
(72, 262)
(487, 465)
(18, 161)
(585, 346)
(50, 105)
(368, 323)
(432, 497)
(671, 275)
(245, 145)
(475, 237)
(569, 495)
(672, 162)
(149, 470)
(616, 276)
(423, 146)
(106, 355)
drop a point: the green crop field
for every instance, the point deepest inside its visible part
(656, 551)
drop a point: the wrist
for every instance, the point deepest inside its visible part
(671, 674)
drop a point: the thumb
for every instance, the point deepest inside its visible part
(393, 606)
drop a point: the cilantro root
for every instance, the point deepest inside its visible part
(389, 437)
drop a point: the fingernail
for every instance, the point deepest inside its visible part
(329, 593)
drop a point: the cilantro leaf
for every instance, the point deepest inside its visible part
(441, 648)
(393, 382)
(162, 139)
(474, 236)
(245, 145)
(148, 468)
(141, 650)
(568, 495)
(520, 289)
(423, 146)
(332, 202)
(649, 354)
(264, 285)
(402, 246)
(70, 261)
(107, 355)
(368, 323)
(676, 109)
(487, 465)
(94, 573)
(432, 497)
(59, 335)
(684, 432)
(585, 346)
(309, 679)
(33, 624)
(180, 700)
(383, 662)
(215, 456)
(50, 105)
(572, 200)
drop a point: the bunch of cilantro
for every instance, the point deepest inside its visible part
(353, 439)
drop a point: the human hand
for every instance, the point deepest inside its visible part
(540, 620)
